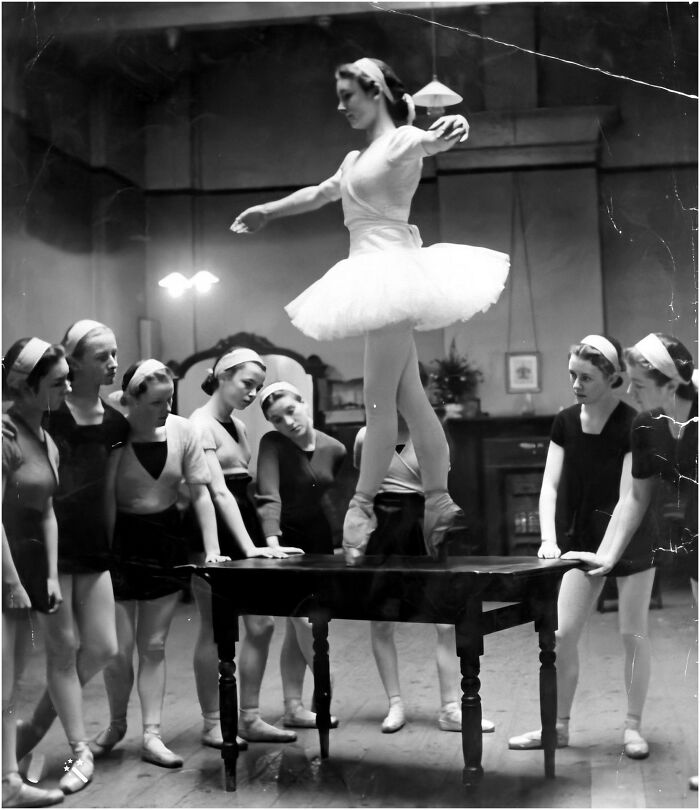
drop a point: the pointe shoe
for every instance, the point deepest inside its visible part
(300, 717)
(15, 793)
(79, 769)
(692, 783)
(358, 525)
(533, 740)
(635, 746)
(441, 514)
(213, 738)
(395, 719)
(31, 767)
(103, 742)
(450, 719)
(257, 730)
(155, 751)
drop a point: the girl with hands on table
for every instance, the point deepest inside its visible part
(296, 466)
(587, 470)
(661, 483)
(35, 378)
(149, 541)
(232, 384)
(389, 284)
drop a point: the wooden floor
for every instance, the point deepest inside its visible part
(420, 766)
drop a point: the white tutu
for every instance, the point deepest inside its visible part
(429, 287)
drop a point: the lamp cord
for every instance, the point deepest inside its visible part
(516, 213)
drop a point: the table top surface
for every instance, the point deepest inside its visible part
(335, 565)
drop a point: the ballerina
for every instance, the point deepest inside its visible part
(389, 285)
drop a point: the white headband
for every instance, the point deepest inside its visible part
(278, 386)
(32, 351)
(235, 358)
(374, 72)
(605, 347)
(656, 354)
(146, 368)
(78, 331)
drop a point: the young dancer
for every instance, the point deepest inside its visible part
(389, 285)
(143, 477)
(35, 377)
(662, 489)
(399, 509)
(233, 384)
(588, 455)
(296, 465)
(85, 429)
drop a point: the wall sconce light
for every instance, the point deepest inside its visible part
(435, 96)
(176, 283)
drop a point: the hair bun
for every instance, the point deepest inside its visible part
(210, 383)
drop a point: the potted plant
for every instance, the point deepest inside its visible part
(455, 380)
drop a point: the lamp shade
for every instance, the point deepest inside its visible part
(175, 284)
(203, 280)
(436, 96)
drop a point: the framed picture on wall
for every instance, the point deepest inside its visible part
(523, 372)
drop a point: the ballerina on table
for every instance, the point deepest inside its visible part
(389, 285)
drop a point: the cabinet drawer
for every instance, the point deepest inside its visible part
(514, 451)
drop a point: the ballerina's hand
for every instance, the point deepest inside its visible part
(451, 126)
(216, 558)
(55, 596)
(275, 552)
(549, 550)
(250, 221)
(596, 564)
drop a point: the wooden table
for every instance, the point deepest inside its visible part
(403, 589)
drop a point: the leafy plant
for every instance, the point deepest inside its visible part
(454, 377)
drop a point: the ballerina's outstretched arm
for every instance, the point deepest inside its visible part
(256, 217)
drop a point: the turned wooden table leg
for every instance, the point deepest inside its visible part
(469, 648)
(546, 625)
(322, 678)
(225, 621)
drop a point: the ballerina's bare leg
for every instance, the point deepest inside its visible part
(392, 383)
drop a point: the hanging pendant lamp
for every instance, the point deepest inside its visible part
(435, 96)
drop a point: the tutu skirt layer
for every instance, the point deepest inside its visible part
(429, 287)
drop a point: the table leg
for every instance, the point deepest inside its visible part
(469, 647)
(322, 678)
(546, 624)
(225, 620)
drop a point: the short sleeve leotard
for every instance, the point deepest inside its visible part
(290, 486)
(590, 485)
(149, 538)
(229, 441)
(673, 464)
(78, 503)
(389, 278)
(30, 473)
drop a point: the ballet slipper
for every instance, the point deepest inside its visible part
(358, 525)
(533, 739)
(105, 740)
(212, 737)
(156, 752)
(300, 717)
(395, 718)
(441, 514)
(450, 719)
(80, 769)
(254, 729)
(635, 746)
(15, 793)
